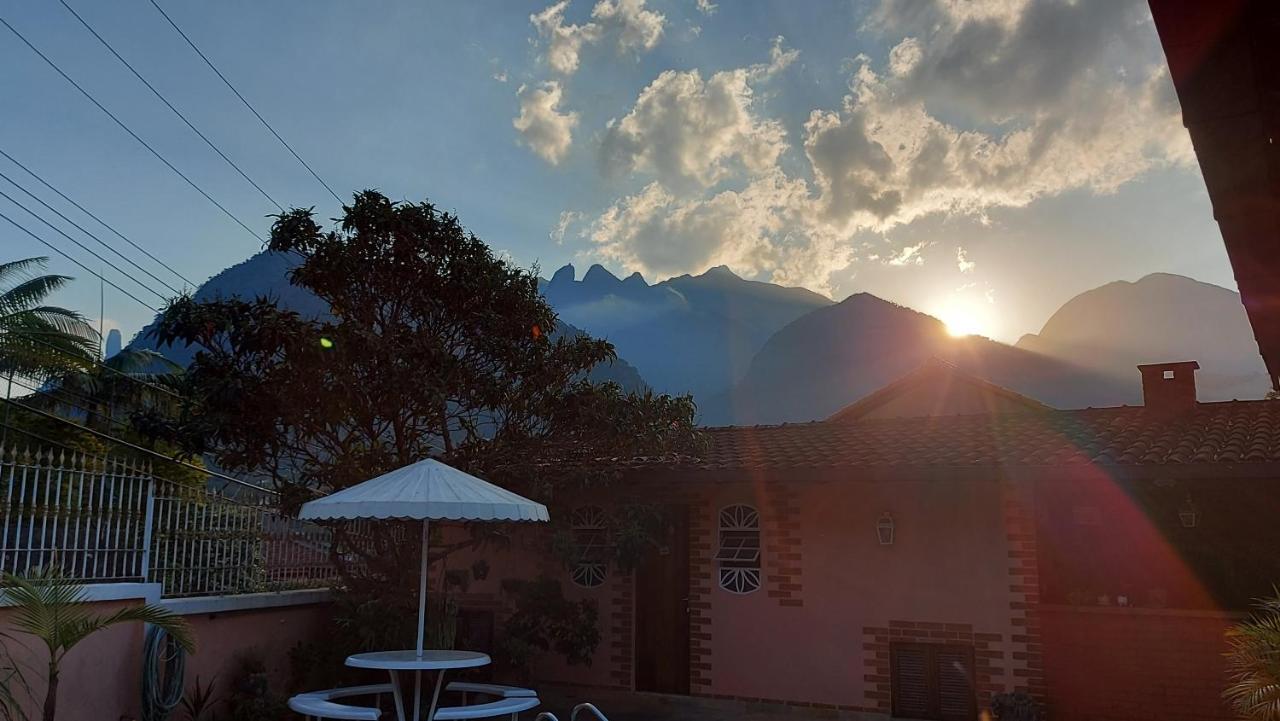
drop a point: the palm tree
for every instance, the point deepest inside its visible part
(1253, 663)
(38, 339)
(53, 609)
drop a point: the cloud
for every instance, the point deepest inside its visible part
(963, 263)
(626, 24)
(908, 255)
(883, 159)
(779, 60)
(761, 229)
(976, 106)
(706, 7)
(543, 127)
(689, 132)
(567, 218)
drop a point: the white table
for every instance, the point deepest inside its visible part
(400, 663)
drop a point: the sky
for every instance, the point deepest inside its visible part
(983, 161)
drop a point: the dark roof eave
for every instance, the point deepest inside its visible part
(969, 473)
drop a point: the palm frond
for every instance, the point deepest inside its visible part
(142, 362)
(31, 292)
(20, 268)
(170, 622)
(1253, 664)
(53, 608)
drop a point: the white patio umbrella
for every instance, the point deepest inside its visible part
(425, 491)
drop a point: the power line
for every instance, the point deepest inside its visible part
(50, 441)
(77, 403)
(256, 114)
(133, 446)
(169, 105)
(84, 267)
(79, 227)
(100, 221)
(85, 248)
(108, 459)
(126, 128)
(117, 371)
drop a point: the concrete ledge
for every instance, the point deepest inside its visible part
(245, 602)
(1143, 611)
(95, 592)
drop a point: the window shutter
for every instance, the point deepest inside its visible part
(954, 666)
(932, 681)
(910, 680)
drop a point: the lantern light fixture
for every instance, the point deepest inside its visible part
(1189, 514)
(885, 528)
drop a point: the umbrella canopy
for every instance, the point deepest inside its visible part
(426, 490)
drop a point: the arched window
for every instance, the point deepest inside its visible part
(590, 543)
(739, 550)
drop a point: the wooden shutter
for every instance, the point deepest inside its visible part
(933, 681)
(956, 697)
(911, 682)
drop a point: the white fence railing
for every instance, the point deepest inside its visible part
(103, 521)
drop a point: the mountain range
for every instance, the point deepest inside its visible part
(756, 352)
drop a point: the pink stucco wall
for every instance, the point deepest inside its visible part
(101, 676)
(826, 580)
(948, 564)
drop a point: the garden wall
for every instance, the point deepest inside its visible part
(1114, 664)
(102, 676)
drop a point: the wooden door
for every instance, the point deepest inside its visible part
(662, 610)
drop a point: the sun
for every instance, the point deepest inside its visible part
(965, 316)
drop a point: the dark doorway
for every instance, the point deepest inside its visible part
(662, 609)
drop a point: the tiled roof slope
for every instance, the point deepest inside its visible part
(1231, 432)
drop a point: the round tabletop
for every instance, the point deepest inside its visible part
(430, 660)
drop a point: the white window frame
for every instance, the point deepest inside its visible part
(738, 569)
(589, 519)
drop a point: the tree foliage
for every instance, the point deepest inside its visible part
(1253, 663)
(433, 346)
(56, 611)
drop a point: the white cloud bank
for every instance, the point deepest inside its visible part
(1041, 97)
(626, 24)
(543, 127)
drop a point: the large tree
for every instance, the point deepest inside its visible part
(433, 346)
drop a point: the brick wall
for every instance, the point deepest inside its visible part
(1027, 656)
(702, 574)
(780, 541)
(988, 660)
(1112, 664)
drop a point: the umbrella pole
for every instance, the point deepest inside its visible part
(422, 616)
(422, 587)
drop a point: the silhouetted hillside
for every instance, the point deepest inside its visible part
(836, 355)
(265, 274)
(688, 334)
(1161, 317)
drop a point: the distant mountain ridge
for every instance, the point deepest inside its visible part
(690, 333)
(836, 355)
(1160, 317)
(755, 352)
(266, 274)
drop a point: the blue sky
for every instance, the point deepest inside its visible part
(980, 160)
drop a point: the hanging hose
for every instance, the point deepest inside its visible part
(163, 667)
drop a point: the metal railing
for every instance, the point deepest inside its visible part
(101, 521)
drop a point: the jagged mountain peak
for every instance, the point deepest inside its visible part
(566, 274)
(598, 275)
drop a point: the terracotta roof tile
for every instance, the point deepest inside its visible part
(1231, 432)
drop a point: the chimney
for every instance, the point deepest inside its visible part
(1169, 387)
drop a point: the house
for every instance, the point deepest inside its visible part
(940, 542)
